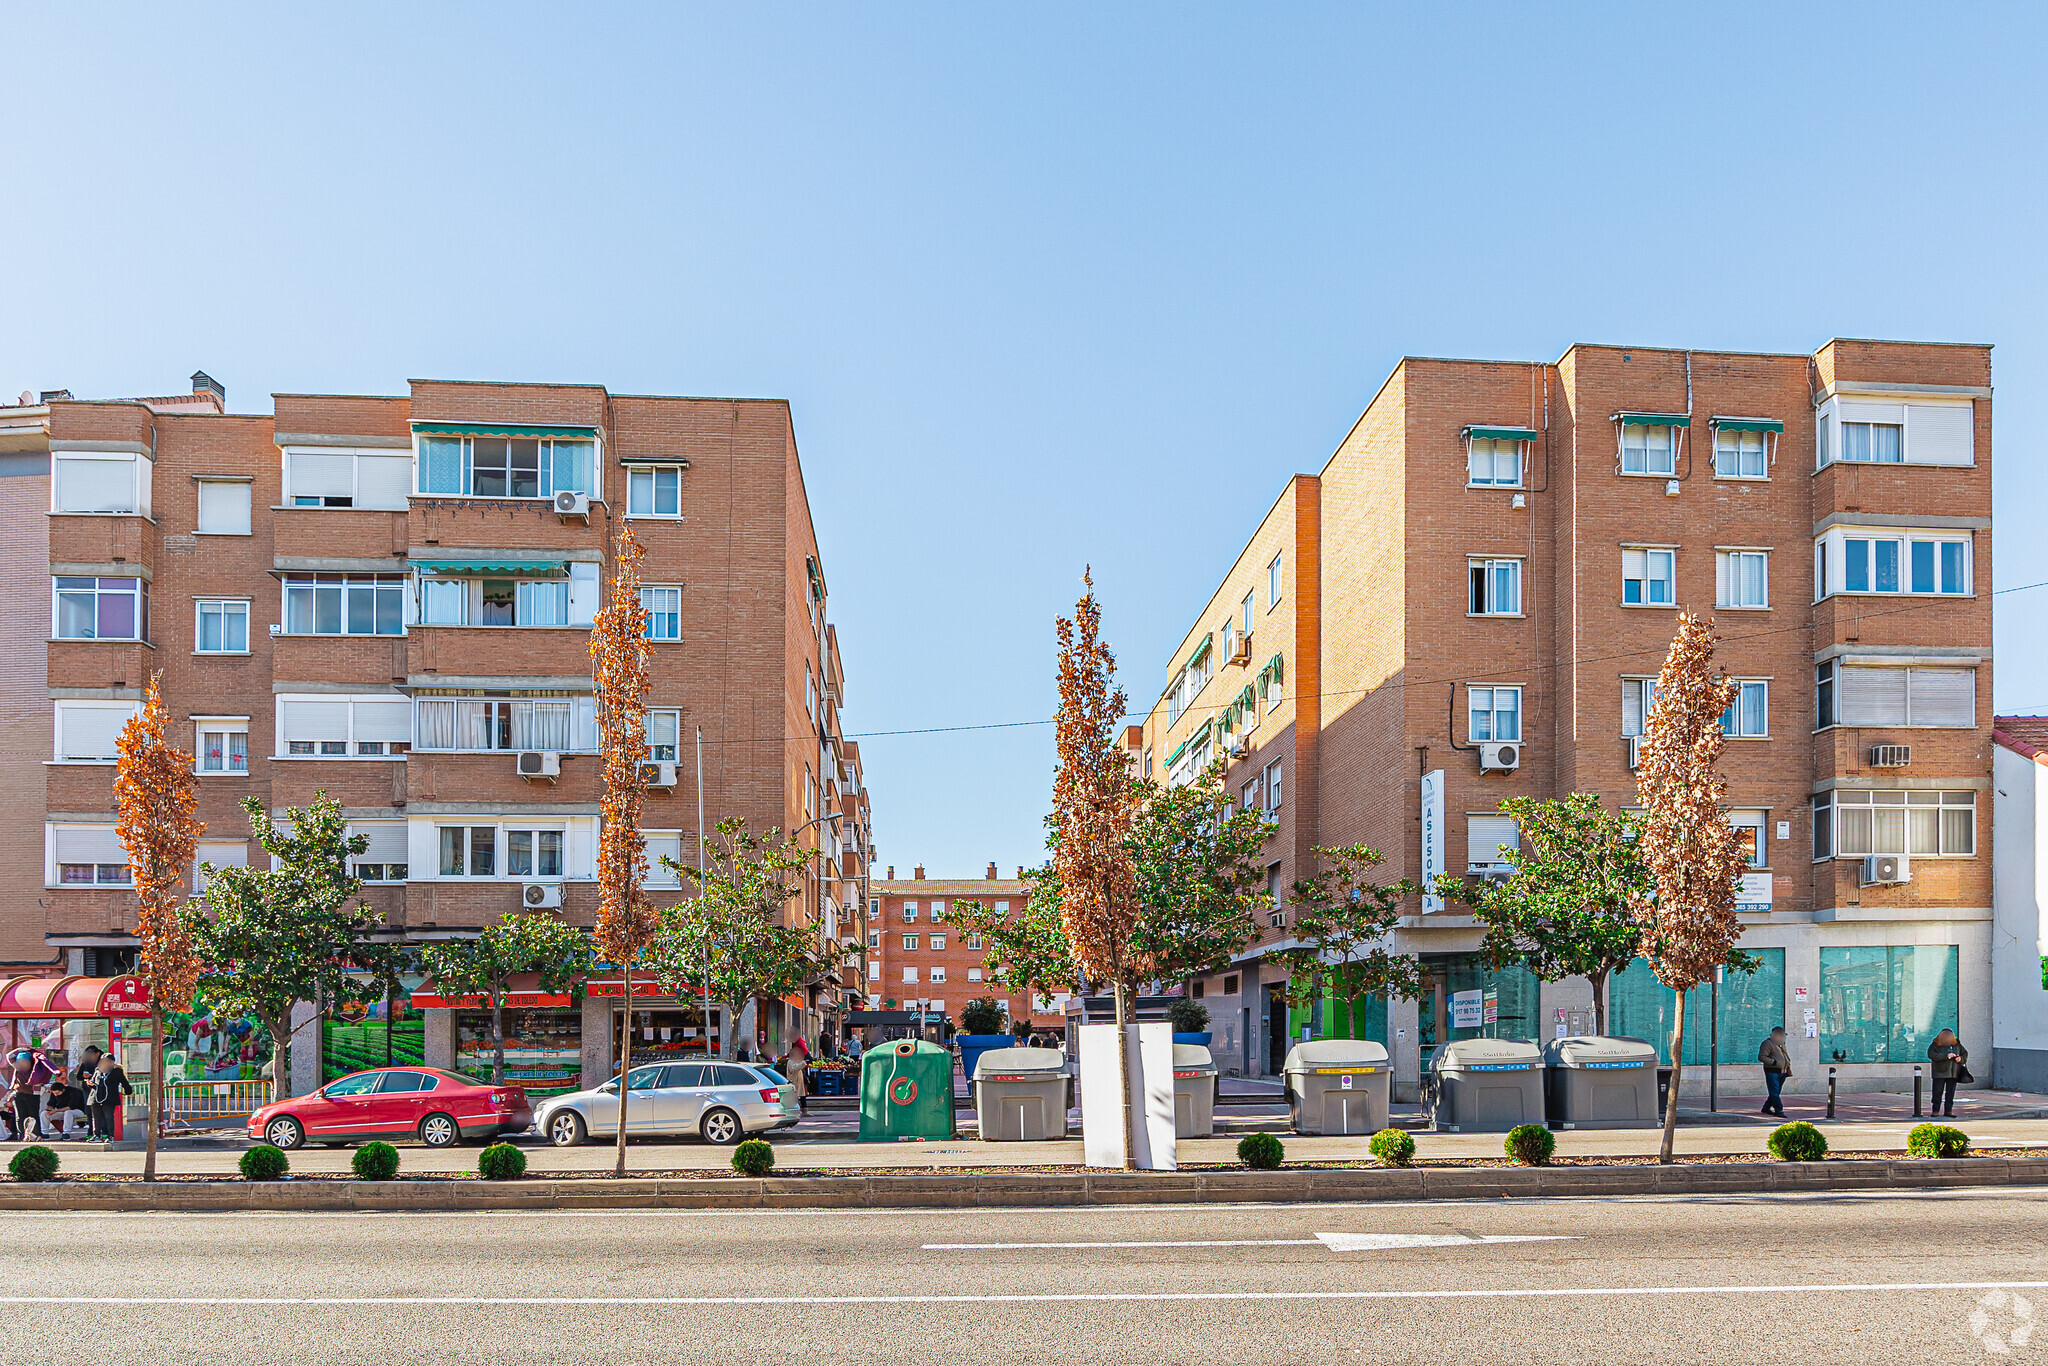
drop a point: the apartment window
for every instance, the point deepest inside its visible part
(1274, 581)
(325, 726)
(469, 850)
(222, 627)
(1249, 796)
(874, 972)
(664, 609)
(1853, 824)
(1229, 638)
(1648, 449)
(562, 725)
(1742, 578)
(100, 481)
(938, 911)
(90, 732)
(89, 856)
(219, 854)
(1495, 713)
(1922, 432)
(1496, 588)
(223, 746)
(1740, 455)
(344, 604)
(347, 479)
(1276, 915)
(974, 974)
(654, 491)
(1244, 614)
(938, 975)
(101, 609)
(1749, 834)
(1637, 695)
(1489, 840)
(1146, 771)
(874, 939)
(938, 942)
(910, 976)
(910, 941)
(1273, 792)
(1872, 695)
(1873, 443)
(224, 507)
(1871, 563)
(810, 692)
(506, 467)
(910, 912)
(662, 846)
(1648, 577)
(533, 853)
(973, 942)
(384, 855)
(1748, 716)
(1493, 463)
(664, 732)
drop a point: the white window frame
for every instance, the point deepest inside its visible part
(1475, 864)
(1759, 821)
(1276, 580)
(506, 834)
(1271, 780)
(203, 855)
(1633, 556)
(653, 473)
(1740, 436)
(1833, 674)
(910, 977)
(222, 726)
(938, 974)
(1490, 566)
(66, 706)
(1747, 688)
(1878, 833)
(376, 583)
(910, 912)
(1832, 556)
(1649, 461)
(355, 455)
(675, 749)
(140, 592)
(974, 974)
(393, 749)
(655, 612)
(1247, 613)
(1907, 412)
(1493, 712)
(1645, 689)
(220, 605)
(546, 486)
(247, 487)
(937, 942)
(1728, 560)
(53, 869)
(1518, 450)
(141, 478)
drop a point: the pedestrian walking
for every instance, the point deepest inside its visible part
(29, 1074)
(109, 1086)
(1951, 1064)
(1777, 1061)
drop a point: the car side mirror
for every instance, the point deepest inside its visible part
(610, 1088)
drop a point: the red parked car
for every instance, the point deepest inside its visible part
(438, 1108)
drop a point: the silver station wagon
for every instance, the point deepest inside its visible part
(720, 1102)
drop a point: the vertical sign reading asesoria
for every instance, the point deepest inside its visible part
(1432, 838)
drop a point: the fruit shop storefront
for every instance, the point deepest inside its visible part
(543, 1036)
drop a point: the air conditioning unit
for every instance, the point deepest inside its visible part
(1635, 752)
(1503, 757)
(1241, 653)
(540, 896)
(1241, 750)
(1492, 872)
(569, 503)
(1884, 870)
(658, 773)
(539, 763)
(1890, 756)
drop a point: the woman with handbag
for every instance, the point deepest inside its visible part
(1951, 1064)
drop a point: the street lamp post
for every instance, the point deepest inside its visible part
(818, 857)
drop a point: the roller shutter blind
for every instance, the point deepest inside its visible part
(1873, 697)
(1939, 433)
(387, 722)
(315, 475)
(89, 844)
(91, 732)
(383, 481)
(1484, 835)
(1942, 697)
(315, 721)
(387, 841)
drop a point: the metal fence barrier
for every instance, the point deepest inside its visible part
(196, 1100)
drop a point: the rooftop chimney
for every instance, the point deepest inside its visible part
(918, 872)
(890, 876)
(991, 872)
(203, 383)
(1020, 872)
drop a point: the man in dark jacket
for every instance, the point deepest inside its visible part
(1950, 1061)
(1777, 1061)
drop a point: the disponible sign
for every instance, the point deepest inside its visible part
(1467, 1009)
(1432, 839)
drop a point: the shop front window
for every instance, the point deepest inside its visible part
(1751, 1006)
(1885, 1004)
(1465, 999)
(543, 1048)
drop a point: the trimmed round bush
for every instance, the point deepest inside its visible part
(1187, 1015)
(753, 1157)
(1937, 1140)
(1393, 1147)
(501, 1162)
(265, 1163)
(33, 1163)
(1530, 1144)
(375, 1162)
(1260, 1152)
(1797, 1142)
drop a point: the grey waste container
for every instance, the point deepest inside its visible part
(1337, 1086)
(1020, 1094)
(1485, 1085)
(1601, 1083)
(1194, 1091)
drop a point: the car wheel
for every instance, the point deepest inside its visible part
(720, 1127)
(440, 1131)
(285, 1132)
(565, 1129)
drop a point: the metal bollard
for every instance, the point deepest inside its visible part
(1916, 1090)
(1831, 1093)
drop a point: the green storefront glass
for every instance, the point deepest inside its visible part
(346, 1048)
(1885, 1004)
(1511, 991)
(1751, 1005)
(1330, 1018)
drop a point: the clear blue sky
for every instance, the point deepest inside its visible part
(1046, 285)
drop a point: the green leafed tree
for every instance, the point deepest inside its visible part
(271, 938)
(560, 957)
(1341, 916)
(1201, 876)
(731, 929)
(1024, 947)
(1572, 905)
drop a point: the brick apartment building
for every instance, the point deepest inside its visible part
(917, 960)
(389, 599)
(1469, 602)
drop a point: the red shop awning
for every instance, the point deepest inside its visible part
(521, 993)
(72, 998)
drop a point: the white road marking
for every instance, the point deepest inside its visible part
(1561, 1292)
(1386, 1242)
(1167, 1242)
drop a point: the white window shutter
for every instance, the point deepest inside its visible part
(1485, 834)
(89, 844)
(224, 507)
(388, 722)
(383, 481)
(91, 732)
(1722, 585)
(1873, 412)
(309, 720)
(1939, 433)
(1631, 706)
(1943, 697)
(1873, 697)
(582, 594)
(387, 841)
(317, 475)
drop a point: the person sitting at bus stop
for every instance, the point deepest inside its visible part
(63, 1107)
(109, 1086)
(1777, 1061)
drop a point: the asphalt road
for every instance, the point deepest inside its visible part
(1895, 1277)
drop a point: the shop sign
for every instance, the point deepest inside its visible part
(1466, 1008)
(1753, 893)
(1432, 838)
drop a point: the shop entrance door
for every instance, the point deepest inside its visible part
(1276, 1030)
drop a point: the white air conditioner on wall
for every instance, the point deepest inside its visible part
(1503, 757)
(1884, 870)
(658, 773)
(540, 896)
(1635, 752)
(1891, 756)
(569, 503)
(540, 763)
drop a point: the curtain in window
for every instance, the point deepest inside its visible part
(441, 458)
(446, 601)
(473, 725)
(542, 725)
(544, 602)
(437, 725)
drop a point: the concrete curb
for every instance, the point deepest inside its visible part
(938, 1191)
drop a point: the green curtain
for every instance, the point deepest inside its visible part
(1752, 1005)
(1885, 1004)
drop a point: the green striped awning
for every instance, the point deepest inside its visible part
(1500, 433)
(1653, 419)
(1748, 424)
(502, 429)
(1200, 650)
(532, 562)
(1178, 750)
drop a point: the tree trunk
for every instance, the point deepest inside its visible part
(280, 1056)
(1123, 1076)
(1599, 981)
(497, 1036)
(1677, 1070)
(156, 1095)
(625, 1063)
